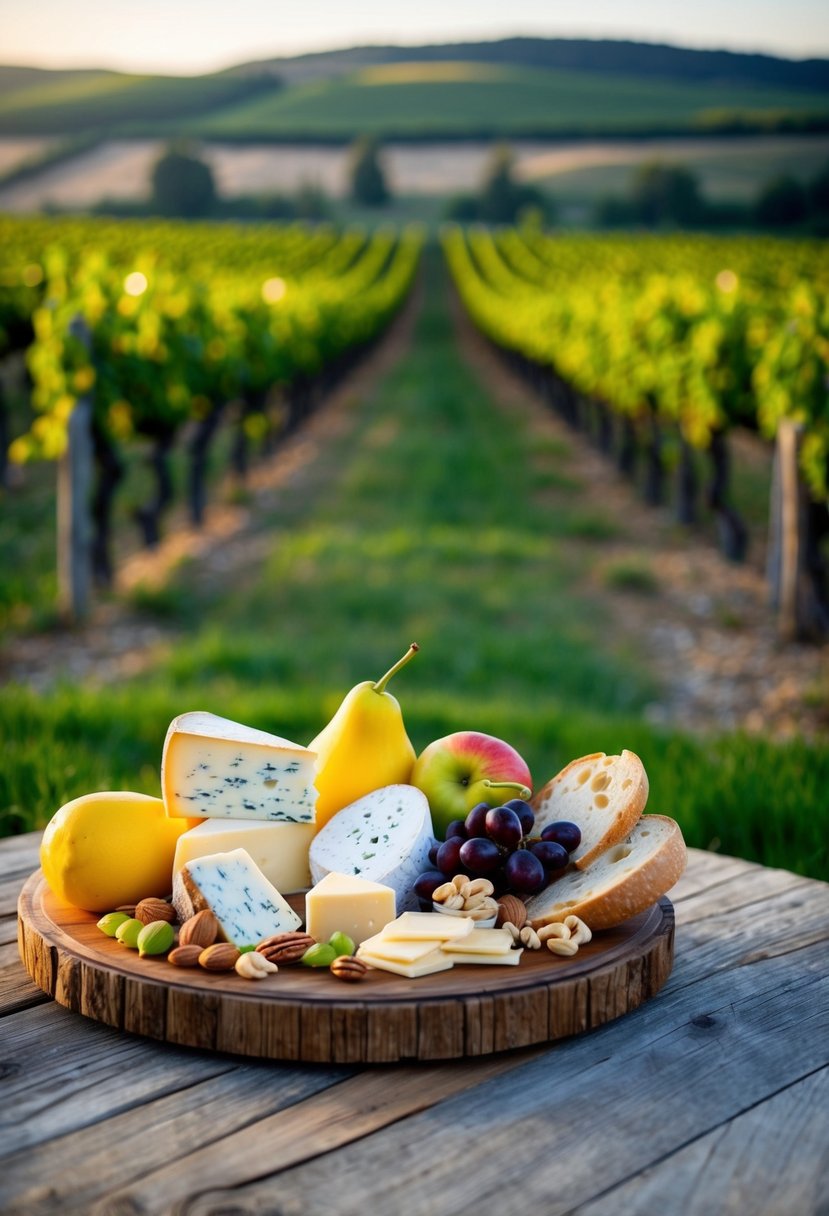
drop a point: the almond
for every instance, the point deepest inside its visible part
(221, 957)
(184, 956)
(200, 930)
(512, 909)
(148, 910)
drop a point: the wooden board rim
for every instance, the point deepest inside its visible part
(313, 1017)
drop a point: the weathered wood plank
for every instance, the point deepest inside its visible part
(338, 1117)
(770, 1161)
(570, 1123)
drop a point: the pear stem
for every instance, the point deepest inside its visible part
(523, 792)
(380, 686)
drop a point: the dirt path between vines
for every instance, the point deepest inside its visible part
(703, 625)
(118, 641)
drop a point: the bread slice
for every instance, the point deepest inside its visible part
(624, 881)
(604, 795)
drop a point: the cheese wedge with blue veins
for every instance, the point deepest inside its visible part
(247, 906)
(384, 837)
(213, 768)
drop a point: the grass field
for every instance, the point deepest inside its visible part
(437, 518)
(469, 98)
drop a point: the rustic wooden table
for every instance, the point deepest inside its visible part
(711, 1098)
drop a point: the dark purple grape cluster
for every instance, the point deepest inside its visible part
(497, 843)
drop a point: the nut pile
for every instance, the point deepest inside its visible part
(472, 897)
(562, 937)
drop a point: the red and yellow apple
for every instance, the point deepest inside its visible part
(465, 768)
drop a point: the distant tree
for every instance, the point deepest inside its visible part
(782, 203)
(368, 181)
(312, 202)
(819, 193)
(462, 208)
(182, 185)
(503, 199)
(664, 194)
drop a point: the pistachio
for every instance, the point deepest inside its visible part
(320, 955)
(127, 933)
(156, 938)
(342, 943)
(111, 922)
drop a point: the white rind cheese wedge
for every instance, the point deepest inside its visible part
(477, 959)
(247, 907)
(396, 952)
(345, 904)
(481, 941)
(384, 837)
(427, 926)
(213, 768)
(280, 850)
(427, 965)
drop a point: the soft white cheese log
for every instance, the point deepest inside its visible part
(384, 837)
(280, 850)
(247, 907)
(213, 768)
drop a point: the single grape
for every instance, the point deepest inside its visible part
(524, 812)
(480, 855)
(456, 828)
(425, 886)
(433, 854)
(504, 827)
(475, 820)
(524, 872)
(552, 855)
(562, 832)
(448, 859)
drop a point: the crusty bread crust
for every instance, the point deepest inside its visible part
(607, 896)
(619, 781)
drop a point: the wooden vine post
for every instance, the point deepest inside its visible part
(74, 528)
(795, 595)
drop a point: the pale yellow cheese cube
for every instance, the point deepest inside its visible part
(428, 926)
(481, 941)
(346, 904)
(280, 850)
(436, 960)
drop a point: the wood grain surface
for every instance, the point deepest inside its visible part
(710, 1098)
(304, 1014)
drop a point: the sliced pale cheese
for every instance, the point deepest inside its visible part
(280, 850)
(397, 952)
(247, 907)
(345, 904)
(481, 941)
(427, 926)
(213, 768)
(436, 960)
(384, 837)
(495, 960)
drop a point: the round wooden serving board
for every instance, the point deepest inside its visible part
(304, 1014)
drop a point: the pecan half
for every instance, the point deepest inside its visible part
(349, 969)
(285, 947)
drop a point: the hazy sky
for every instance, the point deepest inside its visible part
(198, 35)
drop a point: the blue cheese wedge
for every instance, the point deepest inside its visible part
(247, 907)
(383, 837)
(213, 768)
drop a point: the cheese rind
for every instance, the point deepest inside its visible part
(384, 837)
(247, 907)
(280, 850)
(345, 904)
(429, 963)
(213, 768)
(428, 926)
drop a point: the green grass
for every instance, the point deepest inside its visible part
(506, 100)
(423, 523)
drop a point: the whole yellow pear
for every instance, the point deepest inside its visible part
(106, 849)
(363, 747)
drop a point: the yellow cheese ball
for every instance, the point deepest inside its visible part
(106, 849)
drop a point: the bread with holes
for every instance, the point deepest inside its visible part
(625, 880)
(604, 795)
